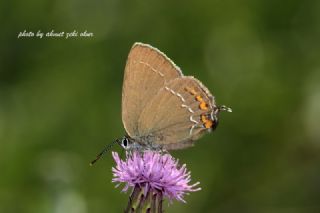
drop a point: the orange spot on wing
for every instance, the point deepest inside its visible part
(203, 118)
(206, 122)
(203, 105)
(199, 98)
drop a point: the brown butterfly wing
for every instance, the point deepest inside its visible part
(179, 113)
(147, 70)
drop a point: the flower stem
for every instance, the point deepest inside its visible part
(145, 202)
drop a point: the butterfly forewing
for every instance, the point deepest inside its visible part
(147, 70)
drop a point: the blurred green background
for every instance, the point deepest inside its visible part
(60, 101)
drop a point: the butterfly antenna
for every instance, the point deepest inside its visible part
(104, 151)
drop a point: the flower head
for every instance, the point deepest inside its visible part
(153, 171)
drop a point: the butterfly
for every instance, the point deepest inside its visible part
(161, 108)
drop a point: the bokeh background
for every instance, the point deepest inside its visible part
(60, 101)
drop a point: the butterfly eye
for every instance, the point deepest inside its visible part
(124, 143)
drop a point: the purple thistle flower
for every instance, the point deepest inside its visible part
(153, 172)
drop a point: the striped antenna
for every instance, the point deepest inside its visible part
(104, 151)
